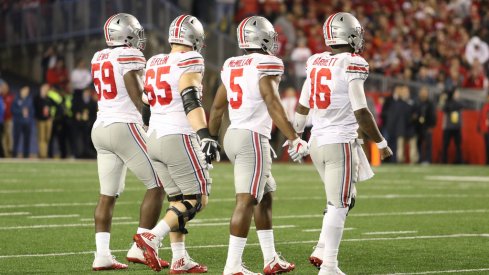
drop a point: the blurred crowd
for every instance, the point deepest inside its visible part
(441, 43)
(56, 116)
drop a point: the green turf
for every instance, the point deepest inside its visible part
(71, 188)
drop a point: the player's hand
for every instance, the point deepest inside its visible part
(298, 149)
(210, 147)
(204, 201)
(385, 153)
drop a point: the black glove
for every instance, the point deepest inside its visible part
(209, 146)
(146, 114)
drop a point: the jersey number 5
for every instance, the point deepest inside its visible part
(320, 93)
(160, 86)
(106, 77)
(236, 103)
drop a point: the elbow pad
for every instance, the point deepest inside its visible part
(191, 99)
(146, 113)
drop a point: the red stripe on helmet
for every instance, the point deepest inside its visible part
(178, 25)
(241, 32)
(328, 28)
(106, 27)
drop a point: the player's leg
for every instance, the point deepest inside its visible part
(111, 172)
(341, 171)
(273, 263)
(152, 172)
(185, 164)
(318, 159)
(245, 150)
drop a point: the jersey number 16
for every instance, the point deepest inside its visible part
(320, 93)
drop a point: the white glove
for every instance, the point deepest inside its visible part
(298, 148)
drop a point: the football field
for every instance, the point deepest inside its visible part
(407, 220)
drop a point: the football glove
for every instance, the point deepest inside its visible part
(209, 146)
(298, 148)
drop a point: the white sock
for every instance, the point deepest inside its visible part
(322, 235)
(333, 224)
(235, 251)
(102, 241)
(142, 230)
(178, 250)
(161, 229)
(267, 244)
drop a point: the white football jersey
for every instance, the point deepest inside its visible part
(325, 92)
(241, 76)
(163, 72)
(108, 69)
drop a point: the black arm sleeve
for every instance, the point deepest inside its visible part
(146, 113)
(190, 99)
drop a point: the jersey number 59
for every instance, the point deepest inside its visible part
(106, 76)
(320, 93)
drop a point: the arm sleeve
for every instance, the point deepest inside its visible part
(305, 93)
(191, 62)
(131, 60)
(357, 94)
(357, 68)
(270, 65)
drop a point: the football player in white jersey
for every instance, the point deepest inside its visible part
(333, 95)
(177, 123)
(118, 136)
(250, 92)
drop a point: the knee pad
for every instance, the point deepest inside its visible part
(190, 210)
(175, 198)
(336, 216)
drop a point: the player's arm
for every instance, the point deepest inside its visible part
(217, 110)
(133, 81)
(365, 118)
(269, 93)
(192, 104)
(301, 111)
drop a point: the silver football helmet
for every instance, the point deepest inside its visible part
(187, 30)
(123, 29)
(343, 28)
(257, 32)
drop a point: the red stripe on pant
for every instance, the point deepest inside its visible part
(346, 184)
(196, 165)
(258, 164)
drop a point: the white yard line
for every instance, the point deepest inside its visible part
(15, 191)
(114, 219)
(54, 216)
(458, 178)
(389, 232)
(257, 244)
(319, 229)
(14, 213)
(441, 271)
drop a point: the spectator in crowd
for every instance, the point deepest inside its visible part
(58, 75)
(477, 49)
(476, 78)
(48, 61)
(57, 115)
(23, 114)
(426, 123)
(484, 126)
(85, 116)
(390, 118)
(224, 11)
(2, 113)
(8, 99)
(406, 131)
(299, 56)
(452, 125)
(80, 78)
(44, 122)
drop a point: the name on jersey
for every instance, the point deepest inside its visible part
(102, 56)
(159, 61)
(240, 62)
(328, 62)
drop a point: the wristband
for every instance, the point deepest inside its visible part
(382, 144)
(203, 133)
